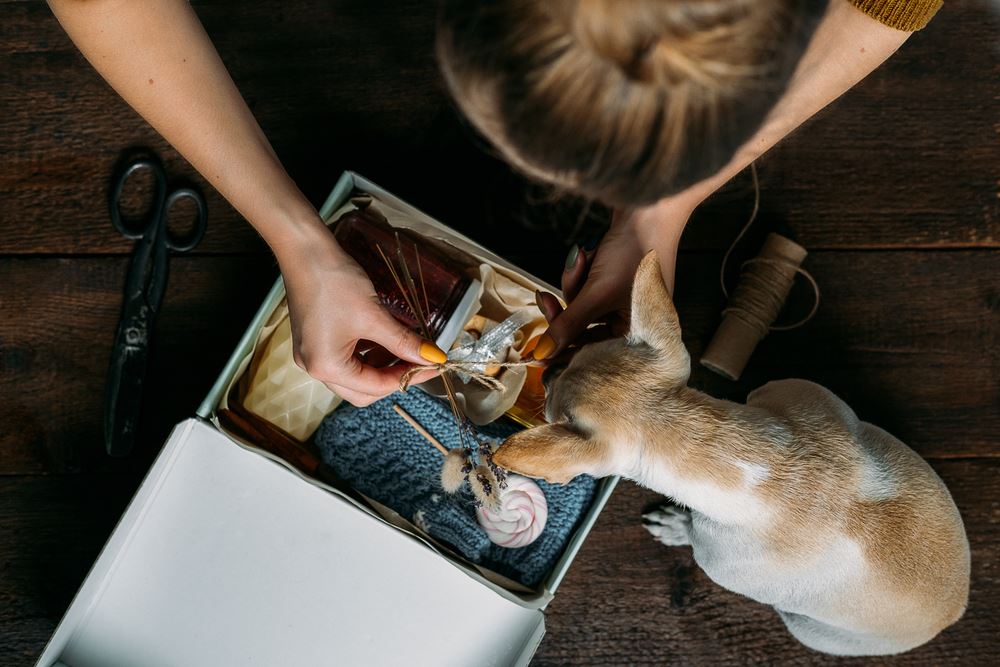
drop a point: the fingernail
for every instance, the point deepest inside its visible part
(538, 300)
(432, 353)
(592, 242)
(544, 347)
(574, 254)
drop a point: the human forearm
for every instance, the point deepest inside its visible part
(846, 47)
(157, 56)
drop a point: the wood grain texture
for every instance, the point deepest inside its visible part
(893, 189)
(334, 85)
(57, 326)
(910, 340)
(918, 356)
(626, 600)
(51, 532)
(905, 159)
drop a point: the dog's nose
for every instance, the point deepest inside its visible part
(556, 366)
(551, 374)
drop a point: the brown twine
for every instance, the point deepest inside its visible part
(758, 297)
(468, 368)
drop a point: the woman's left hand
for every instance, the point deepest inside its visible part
(598, 284)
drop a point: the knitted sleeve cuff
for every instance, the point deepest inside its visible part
(906, 15)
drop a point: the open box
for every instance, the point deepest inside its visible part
(228, 554)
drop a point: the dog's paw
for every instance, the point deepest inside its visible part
(669, 525)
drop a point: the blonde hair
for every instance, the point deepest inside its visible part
(622, 101)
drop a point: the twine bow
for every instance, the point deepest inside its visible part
(472, 369)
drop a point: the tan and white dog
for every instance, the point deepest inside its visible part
(789, 499)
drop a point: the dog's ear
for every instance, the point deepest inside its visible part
(553, 452)
(655, 321)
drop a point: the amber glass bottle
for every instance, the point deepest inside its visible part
(363, 232)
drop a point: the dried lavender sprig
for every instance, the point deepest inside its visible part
(485, 488)
(497, 471)
(467, 464)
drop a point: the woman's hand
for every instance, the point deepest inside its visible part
(598, 284)
(333, 306)
(157, 56)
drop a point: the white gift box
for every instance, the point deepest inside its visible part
(227, 555)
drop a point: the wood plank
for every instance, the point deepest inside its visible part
(51, 532)
(58, 322)
(866, 171)
(626, 600)
(908, 339)
(905, 159)
(334, 87)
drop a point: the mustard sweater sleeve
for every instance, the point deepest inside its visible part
(907, 15)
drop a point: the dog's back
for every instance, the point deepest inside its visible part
(897, 555)
(789, 499)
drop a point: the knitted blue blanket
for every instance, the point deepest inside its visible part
(383, 457)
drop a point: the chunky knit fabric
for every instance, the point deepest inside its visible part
(381, 456)
(907, 15)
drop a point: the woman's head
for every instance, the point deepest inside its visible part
(623, 101)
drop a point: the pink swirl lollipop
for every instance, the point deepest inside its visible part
(521, 517)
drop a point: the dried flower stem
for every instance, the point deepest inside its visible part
(487, 480)
(402, 289)
(409, 291)
(420, 429)
(423, 285)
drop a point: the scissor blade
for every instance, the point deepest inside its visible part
(125, 379)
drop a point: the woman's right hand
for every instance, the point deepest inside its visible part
(598, 284)
(333, 305)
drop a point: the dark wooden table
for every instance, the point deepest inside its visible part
(894, 190)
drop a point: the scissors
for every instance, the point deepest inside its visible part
(144, 287)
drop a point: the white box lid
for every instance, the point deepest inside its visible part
(225, 558)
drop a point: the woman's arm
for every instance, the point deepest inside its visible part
(846, 47)
(157, 56)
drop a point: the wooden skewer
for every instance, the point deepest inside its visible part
(420, 429)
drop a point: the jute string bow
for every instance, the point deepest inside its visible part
(471, 369)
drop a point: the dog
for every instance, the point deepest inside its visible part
(790, 499)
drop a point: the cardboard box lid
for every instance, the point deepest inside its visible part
(225, 558)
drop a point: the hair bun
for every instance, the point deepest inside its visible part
(623, 101)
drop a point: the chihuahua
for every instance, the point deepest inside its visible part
(790, 499)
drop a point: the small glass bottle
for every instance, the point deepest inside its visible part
(439, 285)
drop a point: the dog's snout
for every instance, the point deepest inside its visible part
(551, 374)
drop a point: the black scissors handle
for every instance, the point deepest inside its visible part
(132, 229)
(188, 242)
(154, 223)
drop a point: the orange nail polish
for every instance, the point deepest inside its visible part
(546, 344)
(432, 353)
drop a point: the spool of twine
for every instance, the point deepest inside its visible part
(759, 297)
(754, 306)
